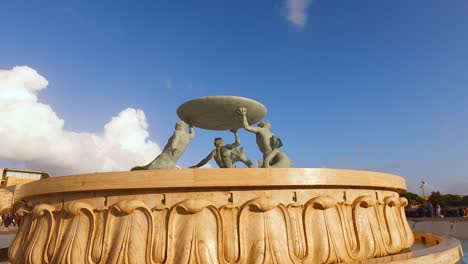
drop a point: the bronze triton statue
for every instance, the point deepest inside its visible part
(267, 142)
(226, 155)
(173, 150)
(222, 113)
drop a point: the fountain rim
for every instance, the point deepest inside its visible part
(319, 178)
(441, 249)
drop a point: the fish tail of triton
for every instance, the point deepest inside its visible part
(138, 168)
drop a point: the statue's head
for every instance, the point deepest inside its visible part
(264, 124)
(218, 142)
(181, 125)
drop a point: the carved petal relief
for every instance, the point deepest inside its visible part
(129, 227)
(22, 239)
(296, 229)
(160, 233)
(324, 230)
(229, 215)
(78, 230)
(263, 233)
(195, 233)
(39, 223)
(367, 227)
(261, 230)
(408, 235)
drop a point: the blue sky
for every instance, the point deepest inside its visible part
(372, 85)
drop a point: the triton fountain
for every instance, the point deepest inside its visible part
(270, 214)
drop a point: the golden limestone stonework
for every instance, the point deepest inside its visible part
(212, 216)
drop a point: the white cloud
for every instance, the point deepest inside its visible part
(207, 166)
(31, 132)
(296, 12)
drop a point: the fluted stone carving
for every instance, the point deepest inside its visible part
(259, 226)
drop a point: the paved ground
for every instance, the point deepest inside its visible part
(450, 219)
(6, 237)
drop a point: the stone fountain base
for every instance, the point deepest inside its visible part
(212, 216)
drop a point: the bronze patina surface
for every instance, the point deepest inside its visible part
(220, 112)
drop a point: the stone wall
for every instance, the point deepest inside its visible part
(6, 197)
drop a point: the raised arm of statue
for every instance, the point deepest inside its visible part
(204, 161)
(236, 142)
(245, 123)
(192, 131)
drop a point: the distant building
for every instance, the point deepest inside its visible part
(15, 176)
(11, 179)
